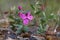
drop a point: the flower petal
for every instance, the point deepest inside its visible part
(25, 21)
(29, 16)
(21, 15)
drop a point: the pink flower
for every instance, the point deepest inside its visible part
(25, 17)
(19, 7)
(21, 15)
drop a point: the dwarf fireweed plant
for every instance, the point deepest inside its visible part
(42, 17)
(20, 20)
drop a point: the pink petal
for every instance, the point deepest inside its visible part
(28, 13)
(29, 16)
(25, 21)
(22, 16)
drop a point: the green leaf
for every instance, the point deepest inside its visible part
(11, 17)
(38, 12)
(32, 7)
(13, 27)
(18, 21)
(19, 27)
(25, 29)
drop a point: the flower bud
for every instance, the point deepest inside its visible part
(19, 7)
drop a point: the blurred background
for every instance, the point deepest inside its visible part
(7, 4)
(52, 6)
